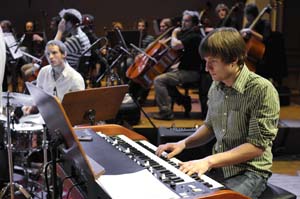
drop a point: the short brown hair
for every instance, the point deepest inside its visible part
(225, 43)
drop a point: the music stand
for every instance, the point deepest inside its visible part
(94, 104)
(130, 36)
(58, 124)
(12, 45)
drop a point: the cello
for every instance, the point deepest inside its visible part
(156, 59)
(255, 48)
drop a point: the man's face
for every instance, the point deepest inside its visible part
(187, 22)
(69, 26)
(55, 57)
(141, 26)
(29, 26)
(218, 70)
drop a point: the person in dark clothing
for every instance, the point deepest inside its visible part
(222, 12)
(273, 45)
(186, 39)
(262, 27)
(137, 91)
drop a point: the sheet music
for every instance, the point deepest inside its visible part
(136, 185)
(12, 45)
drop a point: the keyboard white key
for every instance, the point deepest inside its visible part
(161, 162)
(211, 181)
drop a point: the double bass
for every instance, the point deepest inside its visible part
(255, 47)
(156, 59)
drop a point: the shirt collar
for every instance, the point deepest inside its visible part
(65, 71)
(240, 82)
(60, 70)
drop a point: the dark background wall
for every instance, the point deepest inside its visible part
(19, 11)
(291, 30)
(127, 11)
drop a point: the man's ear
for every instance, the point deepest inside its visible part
(235, 62)
(65, 55)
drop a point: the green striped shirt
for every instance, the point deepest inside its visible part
(247, 112)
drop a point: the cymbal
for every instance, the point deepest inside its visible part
(17, 99)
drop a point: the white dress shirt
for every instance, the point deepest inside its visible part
(68, 81)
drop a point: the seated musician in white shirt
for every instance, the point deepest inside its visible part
(57, 78)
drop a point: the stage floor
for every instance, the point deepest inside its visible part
(291, 112)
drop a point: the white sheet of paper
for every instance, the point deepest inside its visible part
(136, 185)
(12, 45)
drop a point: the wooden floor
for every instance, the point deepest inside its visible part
(292, 112)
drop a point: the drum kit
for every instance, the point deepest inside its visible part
(22, 138)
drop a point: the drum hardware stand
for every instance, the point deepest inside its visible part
(45, 146)
(56, 140)
(12, 185)
(35, 183)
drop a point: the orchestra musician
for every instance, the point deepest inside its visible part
(164, 25)
(57, 78)
(77, 42)
(137, 91)
(263, 27)
(243, 113)
(33, 41)
(261, 32)
(186, 39)
(34, 45)
(224, 20)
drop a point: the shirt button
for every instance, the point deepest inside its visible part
(226, 96)
(225, 114)
(223, 130)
